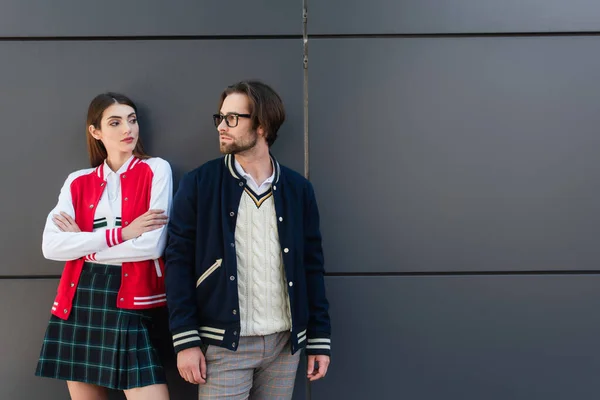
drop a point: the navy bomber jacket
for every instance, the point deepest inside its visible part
(201, 263)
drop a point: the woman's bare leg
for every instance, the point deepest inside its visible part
(151, 392)
(86, 391)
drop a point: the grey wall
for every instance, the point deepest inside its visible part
(359, 17)
(452, 148)
(72, 18)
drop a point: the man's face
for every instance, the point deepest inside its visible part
(240, 138)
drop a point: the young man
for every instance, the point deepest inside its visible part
(244, 269)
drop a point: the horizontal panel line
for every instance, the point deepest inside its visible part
(140, 38)
(299, 36)
(463, 273)
(383, 274)
(29, 276)
(448, 35)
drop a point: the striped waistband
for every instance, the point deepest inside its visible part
(106, 269)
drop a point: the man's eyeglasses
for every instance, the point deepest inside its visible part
(231, 119)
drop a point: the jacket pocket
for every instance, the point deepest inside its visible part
(157, 266)
(209, 271)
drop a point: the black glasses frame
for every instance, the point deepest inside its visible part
(218, 118)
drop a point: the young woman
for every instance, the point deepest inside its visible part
(109, 227)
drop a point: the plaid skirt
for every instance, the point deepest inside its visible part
(100, 343)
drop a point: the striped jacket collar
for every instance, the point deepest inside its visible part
(103, 170)
(229, 160)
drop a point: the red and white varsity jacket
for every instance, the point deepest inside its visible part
(144, 184)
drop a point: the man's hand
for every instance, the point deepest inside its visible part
(315, 372)
(65, 223)
(192, 365)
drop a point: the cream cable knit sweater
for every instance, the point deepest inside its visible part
(262, 289)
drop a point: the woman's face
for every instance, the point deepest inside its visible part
(118, 131)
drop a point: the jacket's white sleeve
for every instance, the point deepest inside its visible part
(65, 246)
(149, 245)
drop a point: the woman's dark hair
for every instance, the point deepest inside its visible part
(96, 149)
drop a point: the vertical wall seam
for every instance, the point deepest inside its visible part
(305, 106)
(305, 89)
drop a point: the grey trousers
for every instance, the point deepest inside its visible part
(262, 368)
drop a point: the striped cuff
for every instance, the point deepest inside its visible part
(114, 236)
(186, 339)
(318, 346)
(90, 257)
(212, 333)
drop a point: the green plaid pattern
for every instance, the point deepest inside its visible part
(100, 343)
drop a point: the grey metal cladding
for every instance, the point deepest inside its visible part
(451, 16)
(113, 18)
(462, 337)
(456, 154)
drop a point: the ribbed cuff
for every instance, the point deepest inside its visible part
(186, 339)
(114, 236)
(318, 346)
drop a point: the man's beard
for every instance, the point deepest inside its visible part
(239, 145)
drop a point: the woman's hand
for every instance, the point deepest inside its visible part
(149, 221)
(65, 223)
